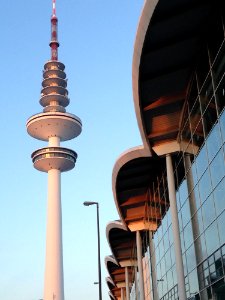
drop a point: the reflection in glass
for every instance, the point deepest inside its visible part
(211, 238)
(191, 258)
(208, 211)
(219, 196)
(205, 186)
(217, 168)
(213, 142)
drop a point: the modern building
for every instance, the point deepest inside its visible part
(54, 125)
(170, 192)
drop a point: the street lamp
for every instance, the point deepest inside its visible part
(87, 203)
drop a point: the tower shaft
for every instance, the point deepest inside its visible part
(54, 286)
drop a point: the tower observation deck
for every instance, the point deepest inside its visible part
(54, 125)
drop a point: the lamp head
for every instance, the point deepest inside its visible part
(87, 203)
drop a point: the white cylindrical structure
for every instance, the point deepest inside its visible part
(54, 141)
(54, 253)
(153, 266)
(127, 283)
(175, 228)
(140, 266)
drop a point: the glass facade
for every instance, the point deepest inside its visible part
(200, 186)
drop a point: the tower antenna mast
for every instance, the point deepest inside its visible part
(54, 44)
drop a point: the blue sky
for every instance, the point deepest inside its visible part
(96, 45)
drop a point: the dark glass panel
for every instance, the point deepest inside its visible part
(220, 91)
(210, 116)
(206, 93)
(216, 35)
(203, 66)
(222, 122)
(217, 168)
(208, 211)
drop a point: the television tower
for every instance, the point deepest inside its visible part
(54, 125)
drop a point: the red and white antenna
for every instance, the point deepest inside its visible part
(54, 44)
(53, 8)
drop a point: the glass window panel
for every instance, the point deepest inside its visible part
(182, 241)
(211, 238)
(210, 116)
(193, 282)
(170, 279)
(214, 142)
(222, 122)
(200, 220)
(172, 252)
(185, 211)
(188, 236)
(205, 186)
(191, 259)
(201, 161)
(206, 93)
(221, 225)
(219, 196)
(208, 211)
(170, 234)
(166, 241)
(217, 168)
(163, 268)
(168, 261)
(183, 192)
(180, 221)
(220, 91)
(201, 241)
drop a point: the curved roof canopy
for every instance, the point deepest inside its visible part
(168, 42)
(117, 275)
(137, 207)
(122, 243)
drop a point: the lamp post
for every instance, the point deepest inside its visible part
(87, 203)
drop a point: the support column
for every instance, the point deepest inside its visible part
(194, 223)
(153, 266)
(140, 267)
(54, 256)
(127, 283)
(175, 228)
(136, 282)
(122, 294)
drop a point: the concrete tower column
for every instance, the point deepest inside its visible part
(127, 283)
(153, 266)
(54, 252)
(140, 267)
(175, 228)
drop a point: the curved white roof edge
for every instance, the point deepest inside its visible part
(109, 279)
(111, 295)
(110, 258)
(136, 152)
(146, 14)
(111, 225)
